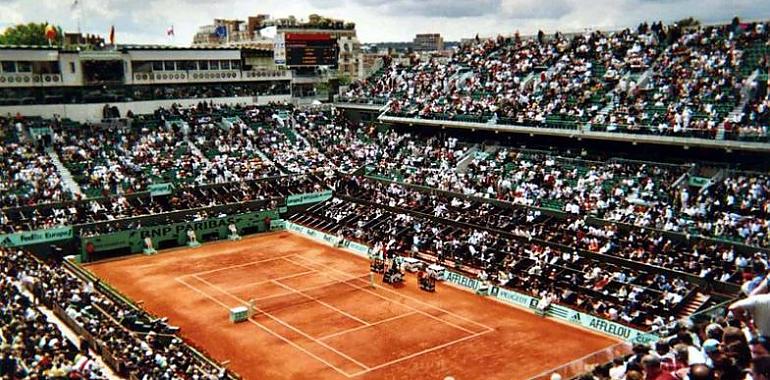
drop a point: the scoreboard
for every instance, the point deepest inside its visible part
(306, 49)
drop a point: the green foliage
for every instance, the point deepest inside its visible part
(345, 79)
(688, 23)
(29, 34)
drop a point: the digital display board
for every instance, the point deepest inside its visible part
(311, 49)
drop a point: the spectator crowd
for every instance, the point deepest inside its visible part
(673, 80)
(34, 348)
(630, 241)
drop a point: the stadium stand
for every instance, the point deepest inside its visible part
(28, 174)
(629, 296)
(662, 245)
(604, 236)
(33, 347)
(133, 342)
(658, 79)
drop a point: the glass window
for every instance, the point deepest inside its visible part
(8, 66)
(224, 65)
(235, 65)
(24, 67)
(72, 67)
(214, 65)
(203, 65)
(169, 65)
(185, 65)
(141, 67)
(157, 65)
(51, 67)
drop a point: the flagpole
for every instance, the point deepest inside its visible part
(77, 7)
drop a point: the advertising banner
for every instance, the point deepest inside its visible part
(158, 189)
(590, 322)
(36, 237)
(301, 199)
(134, 239)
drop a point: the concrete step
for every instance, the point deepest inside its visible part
(693, 305)
(462, 165)
(67, 179)
(195, 150)
(71, 335)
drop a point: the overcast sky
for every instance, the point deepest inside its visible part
(145, 21)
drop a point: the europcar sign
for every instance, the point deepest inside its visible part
(36, 237)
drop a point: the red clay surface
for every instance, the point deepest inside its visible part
(317, 317)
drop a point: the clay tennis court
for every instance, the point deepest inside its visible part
(316, 316)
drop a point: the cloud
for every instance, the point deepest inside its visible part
(434, 8)
(535, 9)
(145, 21)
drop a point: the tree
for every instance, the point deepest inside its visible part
(345, 79)
(28, 34)
(688, 23)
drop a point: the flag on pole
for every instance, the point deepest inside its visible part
(221, 31)
(112, 35)
(76, 10)
(170, 31)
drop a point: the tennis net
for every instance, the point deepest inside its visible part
(294, 297)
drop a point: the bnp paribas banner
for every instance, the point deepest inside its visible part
(36, 237)
(134, 239)
(588, 321)
(301, 199)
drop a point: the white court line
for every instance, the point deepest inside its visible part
(288, 325)
(423, 352)
(423, 312)
(278, 295)
(348, 315)
(244, 285)
(372, 324)
(237, 266)
(269, 331)
(325, 362)
(392, 291)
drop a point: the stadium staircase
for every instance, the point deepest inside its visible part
(462, 165)
(693, 305)
(291, 130)
(379, 63)
(644, 78)
(195, 150)
(185, 127)
(70, 334)
(529, 78)
(737, 111)
(73, 337)
(67, 180)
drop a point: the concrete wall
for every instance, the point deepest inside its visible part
(93, 112)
